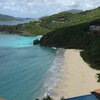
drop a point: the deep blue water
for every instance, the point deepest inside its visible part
(24, 68)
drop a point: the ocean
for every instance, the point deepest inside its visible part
(27, 72)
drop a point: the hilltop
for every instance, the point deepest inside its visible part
(75, 11)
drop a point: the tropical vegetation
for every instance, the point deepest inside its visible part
(74, 33)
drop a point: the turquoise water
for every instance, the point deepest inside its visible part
(23, 68)
(15, 41)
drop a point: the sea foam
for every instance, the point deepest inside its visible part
(54, 72)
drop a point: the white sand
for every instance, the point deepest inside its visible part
(77, 77)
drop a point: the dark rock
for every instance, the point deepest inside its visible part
(35, 42)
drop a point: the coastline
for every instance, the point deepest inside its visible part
(77, 78)
(54, 72)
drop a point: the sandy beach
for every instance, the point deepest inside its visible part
(77, 77)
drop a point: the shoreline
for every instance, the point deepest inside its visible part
(77, 77)
(54, 72)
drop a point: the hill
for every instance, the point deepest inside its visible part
(48, 23)
(7, 18)
(73, 33)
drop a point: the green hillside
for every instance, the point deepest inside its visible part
(34, 28)
(65, 19)
(61, 20)
(7, 18)
(46, 24)
(74, 33)
(75, 25)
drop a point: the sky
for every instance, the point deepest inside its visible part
(38, 8)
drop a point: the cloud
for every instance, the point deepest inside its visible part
(39, 8)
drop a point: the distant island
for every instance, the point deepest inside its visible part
(8, 18)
